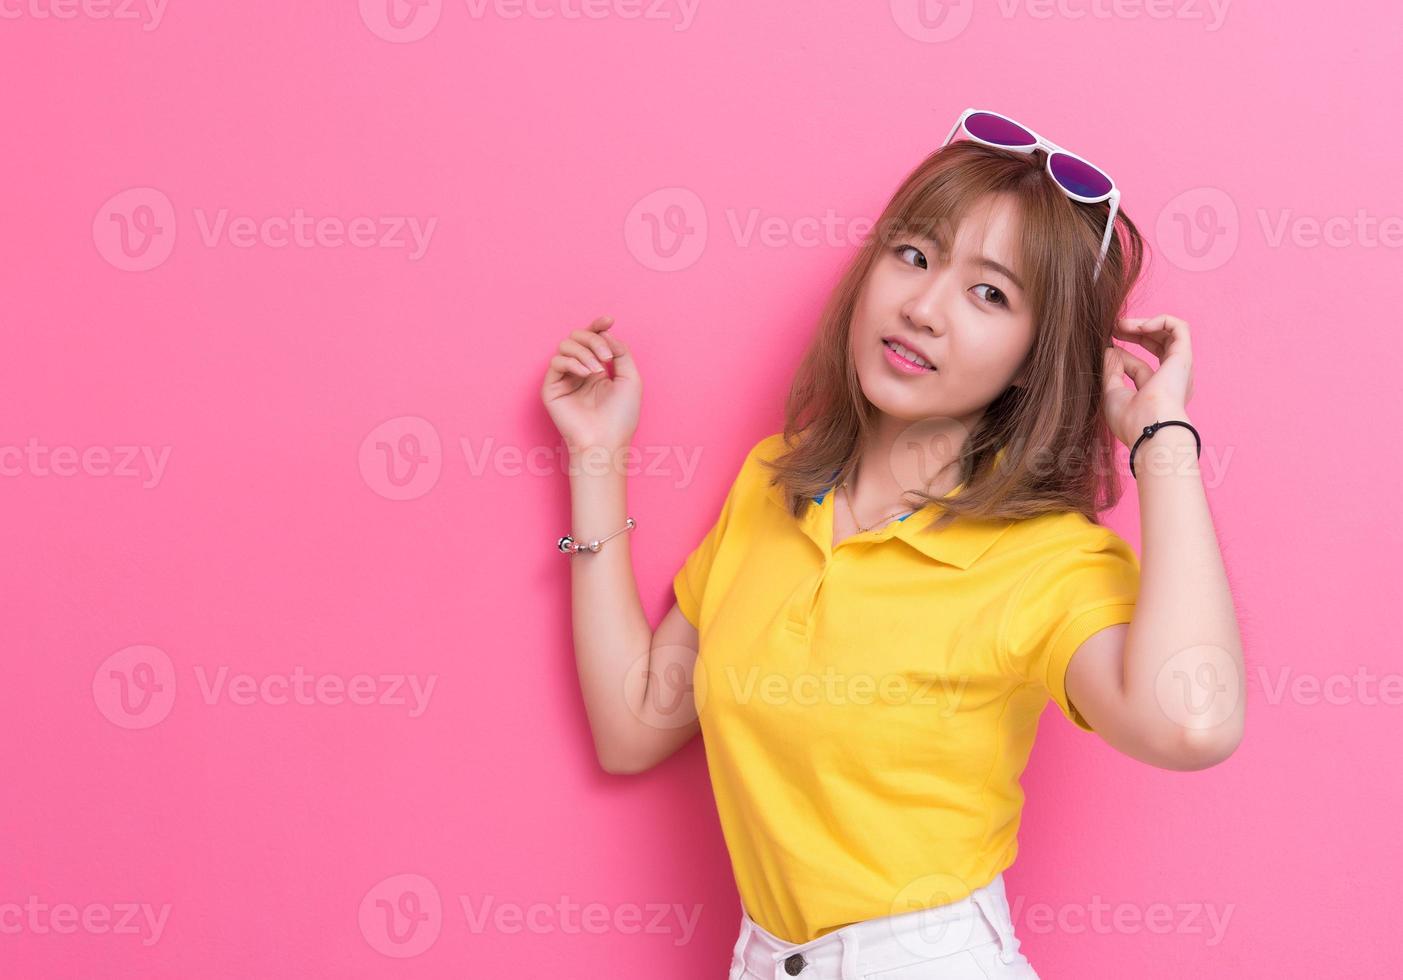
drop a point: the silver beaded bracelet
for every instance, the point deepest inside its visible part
(570, 546)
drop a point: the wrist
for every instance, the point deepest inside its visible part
(598, 461)
(1170, 449)
(1156, 413)
(1133, 427)
(594, 446)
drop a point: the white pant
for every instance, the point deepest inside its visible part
(972, 938)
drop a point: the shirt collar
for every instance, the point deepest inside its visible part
(961, 543)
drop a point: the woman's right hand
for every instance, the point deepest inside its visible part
(589, 408)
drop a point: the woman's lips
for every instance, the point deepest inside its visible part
(902, 364)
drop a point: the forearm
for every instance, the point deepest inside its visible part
(612, 636)
(1183, 659)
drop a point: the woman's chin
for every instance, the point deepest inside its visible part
(897, 399)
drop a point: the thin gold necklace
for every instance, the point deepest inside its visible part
(847, 496)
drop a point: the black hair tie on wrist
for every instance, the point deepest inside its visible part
(1152, 429)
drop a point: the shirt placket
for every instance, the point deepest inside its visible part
(804, 603)
(818, 527)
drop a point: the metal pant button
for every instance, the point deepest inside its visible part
(794, 964)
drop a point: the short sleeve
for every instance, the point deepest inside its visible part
(1080, 590)
(689, 584)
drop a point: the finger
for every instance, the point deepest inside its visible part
(1155, 345)
(1113, 377)
(1171, 331)
(564, 375)
(1135, 331)
(594, 342)
(574, 348)
(562, 365)
(623, 358)
(1177, 331)
(1139, 370)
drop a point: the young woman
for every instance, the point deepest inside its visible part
(901, 579)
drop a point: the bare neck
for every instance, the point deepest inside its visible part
(900, 456)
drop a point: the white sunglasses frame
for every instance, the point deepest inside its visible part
(1113, 195)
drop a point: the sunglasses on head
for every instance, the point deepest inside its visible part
(1078, 179)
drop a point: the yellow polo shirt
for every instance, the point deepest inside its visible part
(867, 710)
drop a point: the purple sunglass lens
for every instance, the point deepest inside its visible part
(1080, 178)
(992, 129)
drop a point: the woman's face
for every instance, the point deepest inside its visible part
(970, 321)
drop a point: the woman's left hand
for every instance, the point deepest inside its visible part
(1159, 393)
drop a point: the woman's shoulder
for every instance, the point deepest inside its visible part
(766, 449)
(754, 480)
(769, 447)
(1063, 533)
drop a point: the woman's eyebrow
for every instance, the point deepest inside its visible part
(1000, 268)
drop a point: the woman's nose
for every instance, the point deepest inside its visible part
(927, 309)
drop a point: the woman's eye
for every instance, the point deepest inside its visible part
(994, 295)
(903, 249)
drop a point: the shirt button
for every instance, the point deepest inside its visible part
(794, 964)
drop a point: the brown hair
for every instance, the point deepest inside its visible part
(1040, 447)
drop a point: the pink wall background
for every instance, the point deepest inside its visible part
(169, 811)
